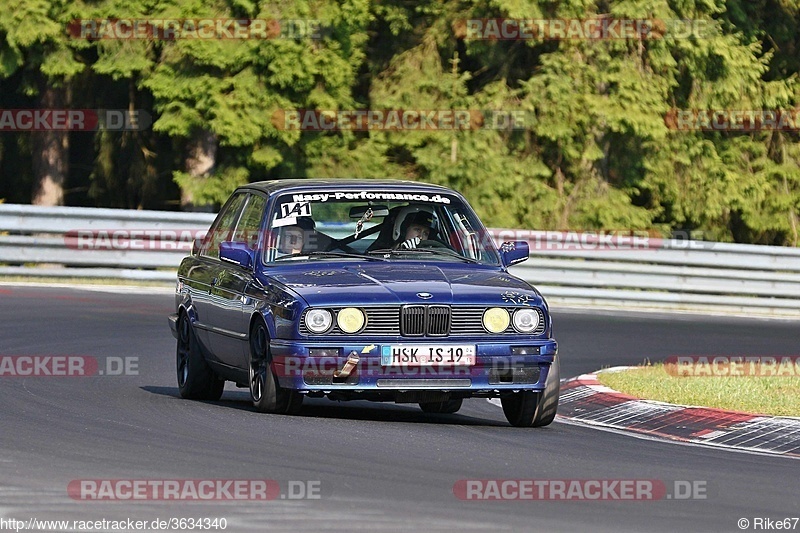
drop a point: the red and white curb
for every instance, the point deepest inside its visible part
(585, 400)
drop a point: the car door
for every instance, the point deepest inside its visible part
(229, 335)
(205, 273)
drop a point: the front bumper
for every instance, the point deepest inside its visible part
(173, 324)
(499, 367)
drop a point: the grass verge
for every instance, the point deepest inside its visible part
(769, 395)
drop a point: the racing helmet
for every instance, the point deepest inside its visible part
(414, 214)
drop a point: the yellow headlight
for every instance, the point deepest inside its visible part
(496, 320)
(350, 319)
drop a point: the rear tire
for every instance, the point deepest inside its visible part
(266, 394)
(535, 409)
(447, 407)
(196, 380)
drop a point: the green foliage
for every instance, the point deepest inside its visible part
(597, 150)
(34, 34)
(207, 191)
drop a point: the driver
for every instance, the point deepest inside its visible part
(416, 227)
(292, 239)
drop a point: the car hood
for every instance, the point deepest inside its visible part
(407, 282)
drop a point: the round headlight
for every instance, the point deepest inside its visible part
(526, 320)
(496, 320)
(318, 320)
(350, 320)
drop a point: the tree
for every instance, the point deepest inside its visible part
(37, 42)
(219, 96)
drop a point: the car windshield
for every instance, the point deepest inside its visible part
(376, 225)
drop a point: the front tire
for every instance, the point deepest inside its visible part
(196, 380)
(535, 409)
(266, 394)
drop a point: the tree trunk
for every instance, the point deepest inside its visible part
(200, 160)
(50, 152)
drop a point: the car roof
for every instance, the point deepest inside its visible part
(274, 186)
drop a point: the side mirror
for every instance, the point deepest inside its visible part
(237, 253)
(514, 252)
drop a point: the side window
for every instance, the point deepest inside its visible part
(250, 222)
(223, 229)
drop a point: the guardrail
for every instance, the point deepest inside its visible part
(46, 242)
(569, 269)
(665, 274)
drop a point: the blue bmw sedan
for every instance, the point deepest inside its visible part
(376, 290)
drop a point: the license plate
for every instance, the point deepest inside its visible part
(419, 355)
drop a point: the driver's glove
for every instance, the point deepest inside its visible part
(410, 244)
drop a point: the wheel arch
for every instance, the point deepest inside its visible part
(266, 318)
(184, 309)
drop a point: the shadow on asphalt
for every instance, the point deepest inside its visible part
(352, 410)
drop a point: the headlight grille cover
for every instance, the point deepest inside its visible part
(442, 320)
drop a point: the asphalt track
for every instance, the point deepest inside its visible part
(380, 467)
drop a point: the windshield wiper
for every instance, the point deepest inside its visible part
(432, 251)
(329, 254)
(344, 254)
